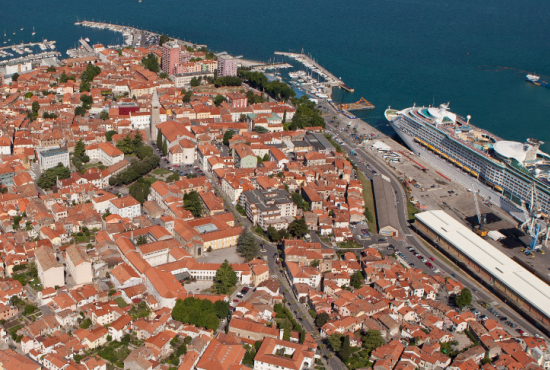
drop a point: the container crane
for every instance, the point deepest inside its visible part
(533, 223)
(481, 230)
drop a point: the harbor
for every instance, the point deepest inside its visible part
(31, 58)
(315, 67)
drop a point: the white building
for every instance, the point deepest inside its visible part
(140, 120)
(50, 271)
(277, 354)
(49, 158)
(183, 153)
(109, 154)
(125, 207)
(79, 265)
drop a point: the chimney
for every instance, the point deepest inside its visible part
(132, 234)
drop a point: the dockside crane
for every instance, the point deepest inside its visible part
(533, 223)
(481, 230)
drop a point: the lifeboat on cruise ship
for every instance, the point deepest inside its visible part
(444, 156)
(474, 173)
(466, 169)
(458, 164)
(451, 160)
(437, 151)
(498, 188)
(489, 183)
(430, 147)
(417, 139)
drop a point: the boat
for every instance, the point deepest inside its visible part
(87, 39)
(33, 32)
(535, 80)
(515, 167)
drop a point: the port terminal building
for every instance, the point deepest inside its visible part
(521, 289)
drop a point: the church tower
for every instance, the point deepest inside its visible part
(155, 114)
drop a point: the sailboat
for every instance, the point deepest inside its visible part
(21, 28)
(33, 32)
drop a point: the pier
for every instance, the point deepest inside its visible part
(359, 105)
(268, 66)
(31, 57)
(25, 45)
(315, 67)
(86, 45)
(135, 32)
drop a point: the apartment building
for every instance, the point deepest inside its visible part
(269, 208)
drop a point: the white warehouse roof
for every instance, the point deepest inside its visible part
(515, 277)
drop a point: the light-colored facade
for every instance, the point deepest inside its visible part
(52, 157)
(79, 265)
(50, 272)
(125, 207)
(170, 56)
(227, 66)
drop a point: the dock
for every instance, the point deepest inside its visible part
(315, 67)
(133, 31)
(31, 57)
(25, 45)
(359, 105)
(86, 46)
(267, 66)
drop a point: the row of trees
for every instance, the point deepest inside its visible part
(307, 115)
(228, 81)
(200, 312)
(49, 177)
(136, 170)
(160, 144)
(276, 88)
(297, 228)
(129, 145)
(79, 155)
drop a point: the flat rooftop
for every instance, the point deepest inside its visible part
(52, 152)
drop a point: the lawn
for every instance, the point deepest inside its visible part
(369, 200)
(161, 171)
(411, 210)
(349, 244)
(121, 303)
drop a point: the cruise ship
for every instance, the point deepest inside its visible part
(508, 170)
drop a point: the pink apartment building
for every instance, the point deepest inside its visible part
(170, 56)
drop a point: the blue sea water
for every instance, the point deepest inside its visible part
(392, 52)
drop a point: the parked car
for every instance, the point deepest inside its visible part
(433, 259)
(503, 318)
(236, 300)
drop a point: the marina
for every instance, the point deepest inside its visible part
(315, 67)
(31, 58)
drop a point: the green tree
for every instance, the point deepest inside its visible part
(298, 228)
(85, 324)
(195, 311)
(194, 82)
(335, 341)
(163, 75)
(225, 278)
(247, 246)
(28, 95)
(151, 62)
(14, 77)
(464, 298)
(80, 111)
(298, 200)
(356, 279)
(104, 116)
(165, 147)
(142, 239)
(140, 189)
(322, 319)
(126, 145)
(109, 134)
(137, 141)
(48, 178)
(187, 96)
(228, 135)
(51, 69)
(345, 351)
(222, 309)
(163, 39)
(79, 149)
(192, 203)
(159, 139)
(90, 72)
(260, 129)
(174, 176)
(144, 151)
(372, 340)
(85, 86)
(35, 107)
(486, 360)
(219, 99)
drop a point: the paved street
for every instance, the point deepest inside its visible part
(409, 237)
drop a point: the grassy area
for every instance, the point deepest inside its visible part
(121, 303)
(115, 352)
(150, 179)
(161, 171)
(334, 143)
(369, 200)
(411, 210)
(349, 244)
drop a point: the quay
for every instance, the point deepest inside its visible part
(315, 67)
(359, 105)
(28, 44)
(86, 45)
(133, 31)
(267, 66)
(30, 58)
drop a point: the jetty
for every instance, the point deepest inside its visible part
(135, 33)
(86, 45)
(315, 67)
(32, 57)
(27, 44)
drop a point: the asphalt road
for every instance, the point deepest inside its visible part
(410, 239)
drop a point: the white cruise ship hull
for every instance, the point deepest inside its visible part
(458, 175)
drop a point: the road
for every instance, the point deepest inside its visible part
(409, 238)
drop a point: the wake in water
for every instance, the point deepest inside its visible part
(488, 68)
